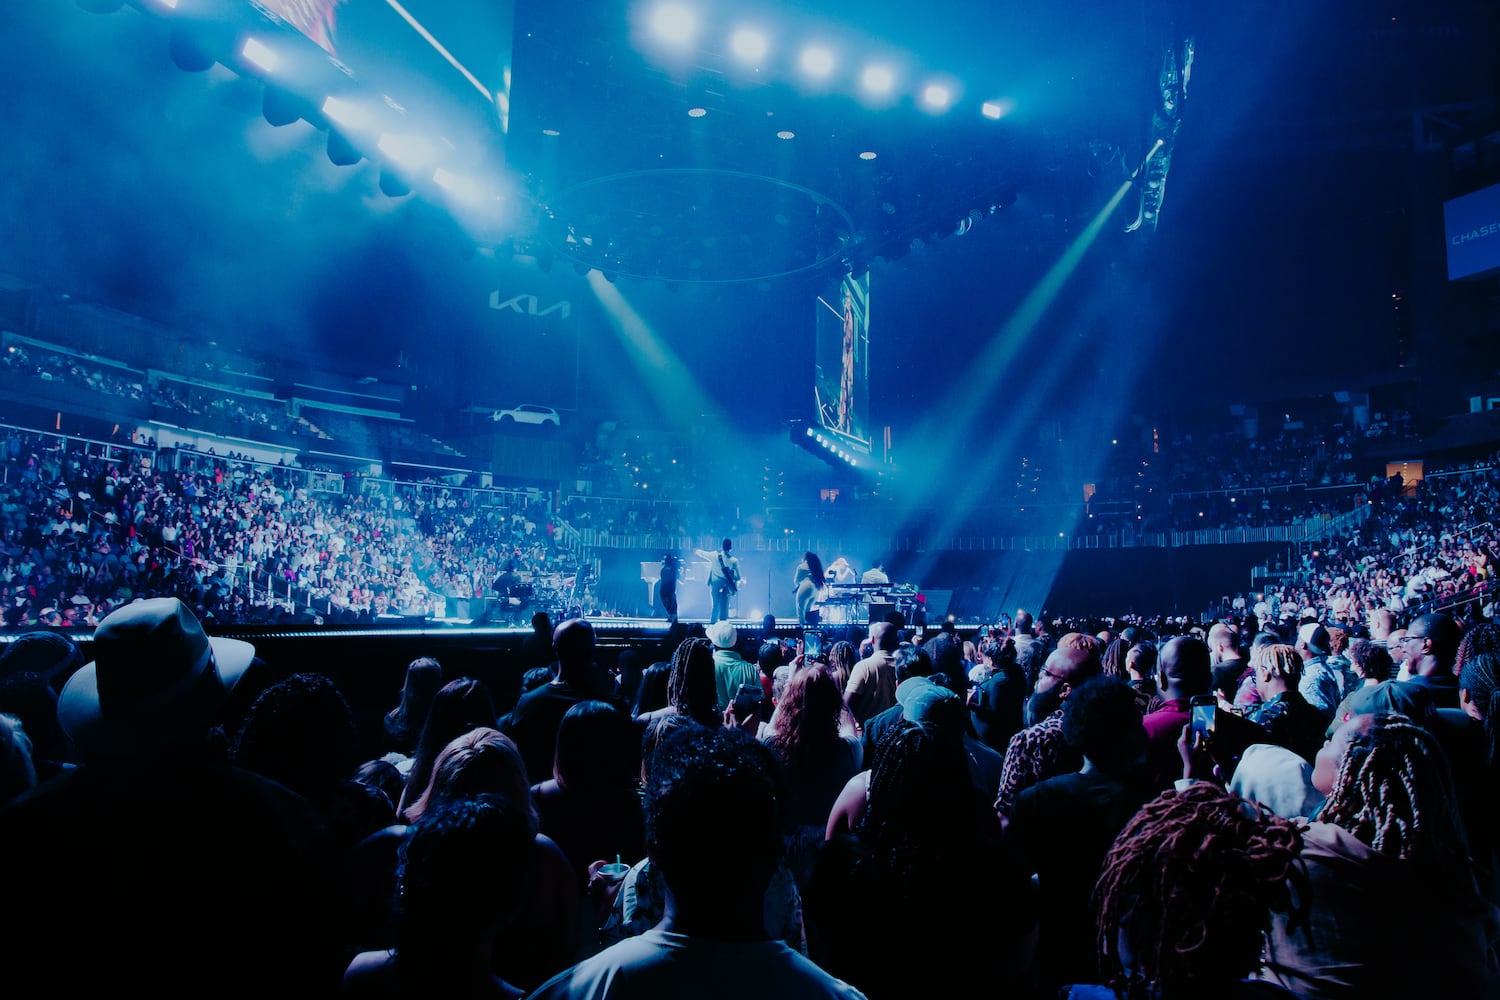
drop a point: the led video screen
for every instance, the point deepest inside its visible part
(841, 357)
(1472, 227)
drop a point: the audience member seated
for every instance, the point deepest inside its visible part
(700, 788)
(1186, 896)
(403, 724)
(1062, 827)
(591, 805)
(1283, 713)
(174, 853)
(909, 847)
(1389, 839)
(461, 877)
(461, 705)
(637, 902)
(691, 688)
(818, 753)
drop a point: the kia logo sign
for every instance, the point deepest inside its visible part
(528, 305)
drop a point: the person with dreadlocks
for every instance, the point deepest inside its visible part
(1185, 895)
(926, 846)
(1479, 770)
(1388, 840)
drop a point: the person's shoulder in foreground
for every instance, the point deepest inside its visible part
(713, 936)
(662, 963)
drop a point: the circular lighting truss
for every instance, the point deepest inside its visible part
(697, 226)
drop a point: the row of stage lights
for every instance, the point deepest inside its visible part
(677, 27)
(832, 447)
(358, 122)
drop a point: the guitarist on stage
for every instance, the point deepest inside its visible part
(723, 579)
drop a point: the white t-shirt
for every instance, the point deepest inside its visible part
(660, 964)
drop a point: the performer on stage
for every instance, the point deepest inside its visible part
(876, 573)
(723, 579)
(839, 571)
(506, 586)
(806, 583)
(668, 585)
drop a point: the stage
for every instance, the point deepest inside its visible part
(369, 662)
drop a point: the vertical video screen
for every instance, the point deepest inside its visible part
(841, 359)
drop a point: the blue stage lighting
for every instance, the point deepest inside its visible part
(817, 61)
(674, 23)
(749, 44)
(877, 79)
(936, 96)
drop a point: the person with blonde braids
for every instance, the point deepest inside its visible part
(1186, 893)
(1388, 840)
(1283, 711)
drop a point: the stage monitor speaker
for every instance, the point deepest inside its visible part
(878, 610)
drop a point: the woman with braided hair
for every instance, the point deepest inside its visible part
(927, 847)
(1479, 770)
(1388, 840)
(690, 685)
(1186, 894)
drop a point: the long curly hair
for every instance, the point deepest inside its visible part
(1394, 791)
(807, 727)
(1191, 882)
(462, 870)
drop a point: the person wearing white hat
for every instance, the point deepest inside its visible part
(730, 668)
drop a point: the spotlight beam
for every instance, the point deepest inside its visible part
(996, 360)
(1007, 341)
(439, 48)
(661, 371)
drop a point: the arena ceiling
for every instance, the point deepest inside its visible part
(210, 195)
